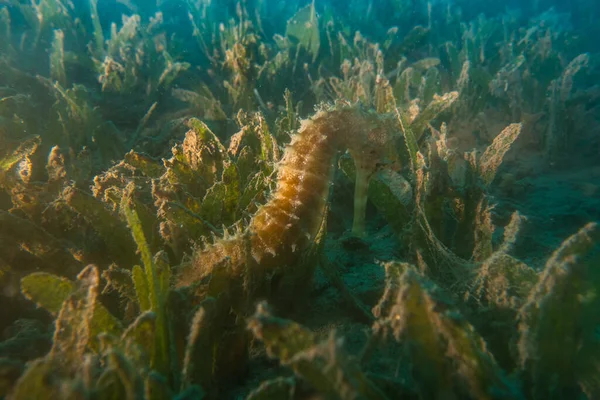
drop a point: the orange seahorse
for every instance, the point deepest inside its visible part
(284, 227)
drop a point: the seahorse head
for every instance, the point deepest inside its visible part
(371, 138)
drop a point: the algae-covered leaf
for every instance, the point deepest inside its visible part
(452, 59)
(171, 71)
(563, 307)
(413, 38)
(231, 181)
(425, 64)
(253, 192)
(269, 147)
(256, 140)
(411, 142)
(50, 292)
(137, 231)
(503, 81)
(483, 230)
(504, 281)
(492, 157)
(304, 28)
(138, 338)
(97, 30)
(200, 352)
(246, 164)
(46, 290)
(80, 320)
(126, 34)
(403, 85)
(433, 109)
(392, 195)
(567, 77)
(163, 272)
(183, 220)
(213, 203)
(324, 365)
(103, 322)
(220, 205)
(148, 166)
(447, 354)
(197, 163)
(289, 119)
(26, 148)
(112, 229)
(202, 102)
(154, 279)
(128, 378)
(431, 86)
(141, 288)
(57, 58)
(5, 30)
(119, 280)
(35, 383)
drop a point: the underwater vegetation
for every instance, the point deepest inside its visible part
(291, 200)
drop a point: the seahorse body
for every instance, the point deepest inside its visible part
(286, 225)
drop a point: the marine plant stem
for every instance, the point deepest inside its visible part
(361, 187)
(98, 34)
(156, 289)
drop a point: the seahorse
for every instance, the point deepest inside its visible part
(286, 225)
